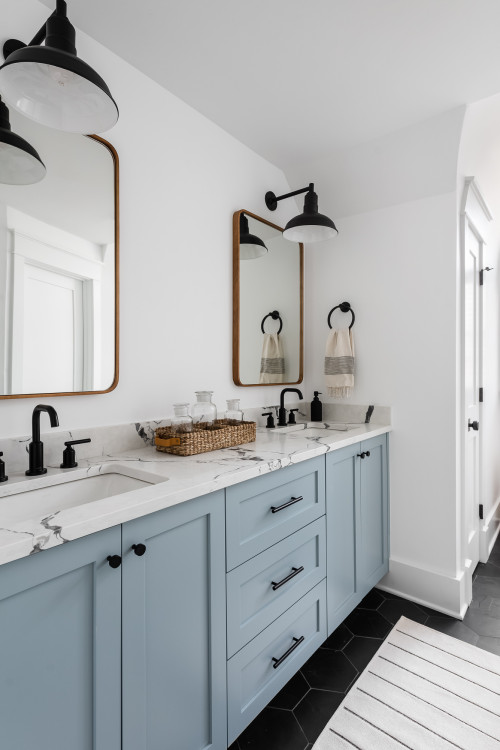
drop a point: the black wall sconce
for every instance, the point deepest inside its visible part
(309, 226)
(20, 164)
(51, 85)
(251, 246)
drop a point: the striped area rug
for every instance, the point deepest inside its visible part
(422, 690)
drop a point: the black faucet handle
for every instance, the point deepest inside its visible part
(69, 455)
(291, 416)
(3, 478)
(270, 418)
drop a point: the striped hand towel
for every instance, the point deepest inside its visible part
(272, 363)
(339, 363)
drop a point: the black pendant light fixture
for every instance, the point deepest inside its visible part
(310, 226)
(51, 85)
(20, 164)
(251, 246)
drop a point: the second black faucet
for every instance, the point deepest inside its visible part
(282, 410)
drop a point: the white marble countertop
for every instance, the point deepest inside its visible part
(28, 532)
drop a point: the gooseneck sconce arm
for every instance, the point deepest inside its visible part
(309, 226)
(51, 85)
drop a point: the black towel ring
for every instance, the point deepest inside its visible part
(275, 316)
(345, 307)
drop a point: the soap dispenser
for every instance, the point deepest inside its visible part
(316, 408)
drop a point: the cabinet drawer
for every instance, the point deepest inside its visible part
(264, 587)
(263, 666)
(267, 509)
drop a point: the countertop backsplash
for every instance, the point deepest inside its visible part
(123, 437)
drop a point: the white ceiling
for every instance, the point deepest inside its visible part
(294, 79)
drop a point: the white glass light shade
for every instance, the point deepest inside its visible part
(249, 252)
(58, 90)
(309, 233)
(19, 167)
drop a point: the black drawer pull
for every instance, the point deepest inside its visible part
(139, 549)
(114, 561)
(364, 454)
(295, 644)
(292, 501)
(295, 572)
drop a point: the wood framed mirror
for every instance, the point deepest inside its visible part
(59, 269)
(268, 278)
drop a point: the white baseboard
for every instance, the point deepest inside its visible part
(440, 592)
(488, 532)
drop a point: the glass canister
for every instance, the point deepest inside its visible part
(234, 415)
(204, 410)
(181, 421)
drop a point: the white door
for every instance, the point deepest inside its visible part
(472, 369)
(48, 333)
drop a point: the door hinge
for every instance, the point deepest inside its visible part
(481, 511)
(481, 274)
(481, 395)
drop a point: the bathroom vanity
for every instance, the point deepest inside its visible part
(178, 610)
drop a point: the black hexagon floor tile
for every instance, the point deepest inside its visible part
(482, 623)
(293, 692)
(315, 710)
(361, 650)
(338, 639)
(489, 644)
(453, 627)
(372, 600)
(393, 609)
(329, 670)
(368, 623)
(487, 569)
(273, 729)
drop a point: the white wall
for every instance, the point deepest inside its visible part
(480, 158)
(394, 260)
(181, 179)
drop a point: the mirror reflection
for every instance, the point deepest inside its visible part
(268, 303)
(58, 268)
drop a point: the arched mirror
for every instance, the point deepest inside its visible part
(59, 269)
(268, 299)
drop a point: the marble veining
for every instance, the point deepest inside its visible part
(128, 449)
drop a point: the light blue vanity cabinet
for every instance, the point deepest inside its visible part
(60, 648)
(174, 630)
(357, 516)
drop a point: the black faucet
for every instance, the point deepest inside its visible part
(282, 410)
(36, 445)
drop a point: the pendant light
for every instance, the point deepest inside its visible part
(309, 226)
(251, 246)
(51, 85)
(20, 164)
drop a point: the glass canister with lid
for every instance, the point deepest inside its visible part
(204, 410)
(181, 421)
(233, 415)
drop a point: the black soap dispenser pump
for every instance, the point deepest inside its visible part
(316, 408)
(3, 478)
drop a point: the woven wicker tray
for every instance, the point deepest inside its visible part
(204, 438)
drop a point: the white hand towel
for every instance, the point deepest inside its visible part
(339, 363)
(272, 363)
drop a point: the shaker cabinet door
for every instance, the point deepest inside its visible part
(60, 647)
(372, 528)
(342, 493)
(174, 628)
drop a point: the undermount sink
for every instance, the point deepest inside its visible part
(73, 492)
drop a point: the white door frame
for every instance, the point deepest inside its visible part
(474, 216)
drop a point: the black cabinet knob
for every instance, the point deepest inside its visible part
(360, 455)
(367, 453)
(473, 425)
(114, 561)
(139, 549)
